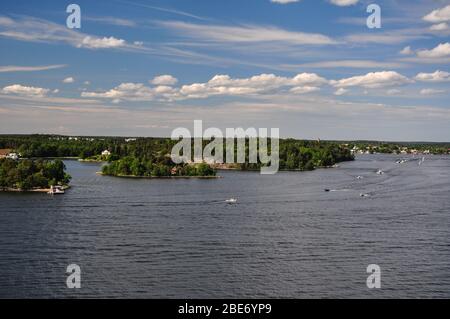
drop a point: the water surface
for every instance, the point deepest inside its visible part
(286, 237)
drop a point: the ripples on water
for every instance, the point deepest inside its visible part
(286, 237)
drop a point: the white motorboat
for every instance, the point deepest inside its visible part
(380, 172)
(56, 190)
(231, 201)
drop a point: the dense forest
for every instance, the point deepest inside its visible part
(30, 174)
(151, 156)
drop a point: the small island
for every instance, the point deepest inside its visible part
(157, 168)
(32, 175)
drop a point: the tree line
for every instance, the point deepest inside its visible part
(28, 174)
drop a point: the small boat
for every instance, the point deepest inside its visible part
(380, 172)
(359, 177)
(327, 190)
(364, 195)
(56, 190)
(231, 201)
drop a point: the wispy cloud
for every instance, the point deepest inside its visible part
(38, 30)
(16, 68)
(356, 64)
(111, 21)
(245, 34)
(163, 9)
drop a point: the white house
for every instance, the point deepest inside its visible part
(13, 156)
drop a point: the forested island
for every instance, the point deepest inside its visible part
(26, 174)
(150, 157)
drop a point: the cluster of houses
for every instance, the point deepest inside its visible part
(8, 153)
(374, 149)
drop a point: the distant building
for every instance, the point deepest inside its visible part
(106, 153)
(13, 156)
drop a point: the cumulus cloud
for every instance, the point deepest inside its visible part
(438, 15)
(219, 85)
(441, 51)
(344, 3)
(21, 90)
(304, 89)
(69, 80)
(100, 43)
(406, 51)
(431, 91)
(164, 80)
(341, 91)
(373, 80)
(440, 27)
(438, 76)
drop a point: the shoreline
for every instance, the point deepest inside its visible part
(33, 190)
(159, 177)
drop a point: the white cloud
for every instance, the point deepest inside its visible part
(373, 80)
(69, 80)
(341, 91)
(38, 30)
(406, 51)
(439, 27)
(101, 43)
(246, 34)
(441, 51)
(438, 76)
(25, 90)
(304, 89)
(284, 1)
(431, 92)
(219, 85)
(439, 15)
(344, 3)
(164, 80)
(15, 68)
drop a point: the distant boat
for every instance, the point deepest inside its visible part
(364, 195)
(359, 177)
(56, 190)
(380, 172)
(327, 190)
(231, 201)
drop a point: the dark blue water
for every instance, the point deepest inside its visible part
(286, 237)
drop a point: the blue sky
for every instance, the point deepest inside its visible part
(311, 68)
